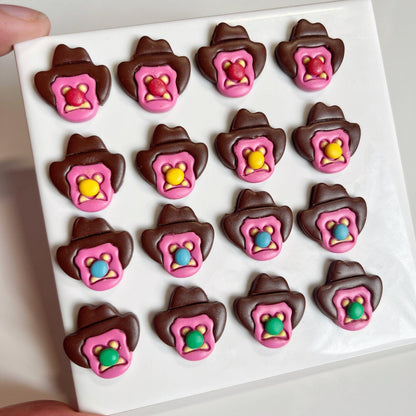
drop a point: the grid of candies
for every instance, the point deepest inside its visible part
(249, 233)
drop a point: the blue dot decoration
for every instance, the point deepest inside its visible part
(182, 256)
(340, 232)
(262, 239)
(99, 268)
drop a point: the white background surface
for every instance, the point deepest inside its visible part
(36, 368)
(155, 372)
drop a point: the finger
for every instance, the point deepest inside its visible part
(41, 408)
(20, 23)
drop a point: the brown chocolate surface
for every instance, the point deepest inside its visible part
(68, 62)
(267, 290)
(328, 198)
(186, 303)
(346, 275)
(173, 220)
(88, 233)
(229, 38)
(86, 151)
(96, 320)
(307, 35)
(324, 118)
(252, 204)
(170, 140)
(247, 125)
(151, 52)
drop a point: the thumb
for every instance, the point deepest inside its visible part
(18, 24)
(41, 408)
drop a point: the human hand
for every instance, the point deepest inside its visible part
(18, 24)
(41, 408)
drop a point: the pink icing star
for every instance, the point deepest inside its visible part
(114, 339)
(183, 326)
(325, 160)
(255, 161)
(170, 244)
(75, 97)
(327, 221)
(343, 298)
(314, 68)
(164, 165)
(91, 188)
(262, 313)
(235, 74)
(251, 227)
(107, 253)
(156, 88)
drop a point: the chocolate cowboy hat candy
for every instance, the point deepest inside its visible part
(180, 243)
(232, 61)
(349, 295)
(96, 254)
(310, 56)
(251, 148)
(173, 162)
(74, 86)
(258, 226)
(155, 76)
(333, 219)
(89, 175)
(191, 324)
(327, 140)
(270, 311)
(104, 340)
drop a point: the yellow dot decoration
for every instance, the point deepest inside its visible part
(89, 187)
(333, 150)
(174, 176)
(255, 160)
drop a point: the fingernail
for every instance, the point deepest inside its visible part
(23, 13)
